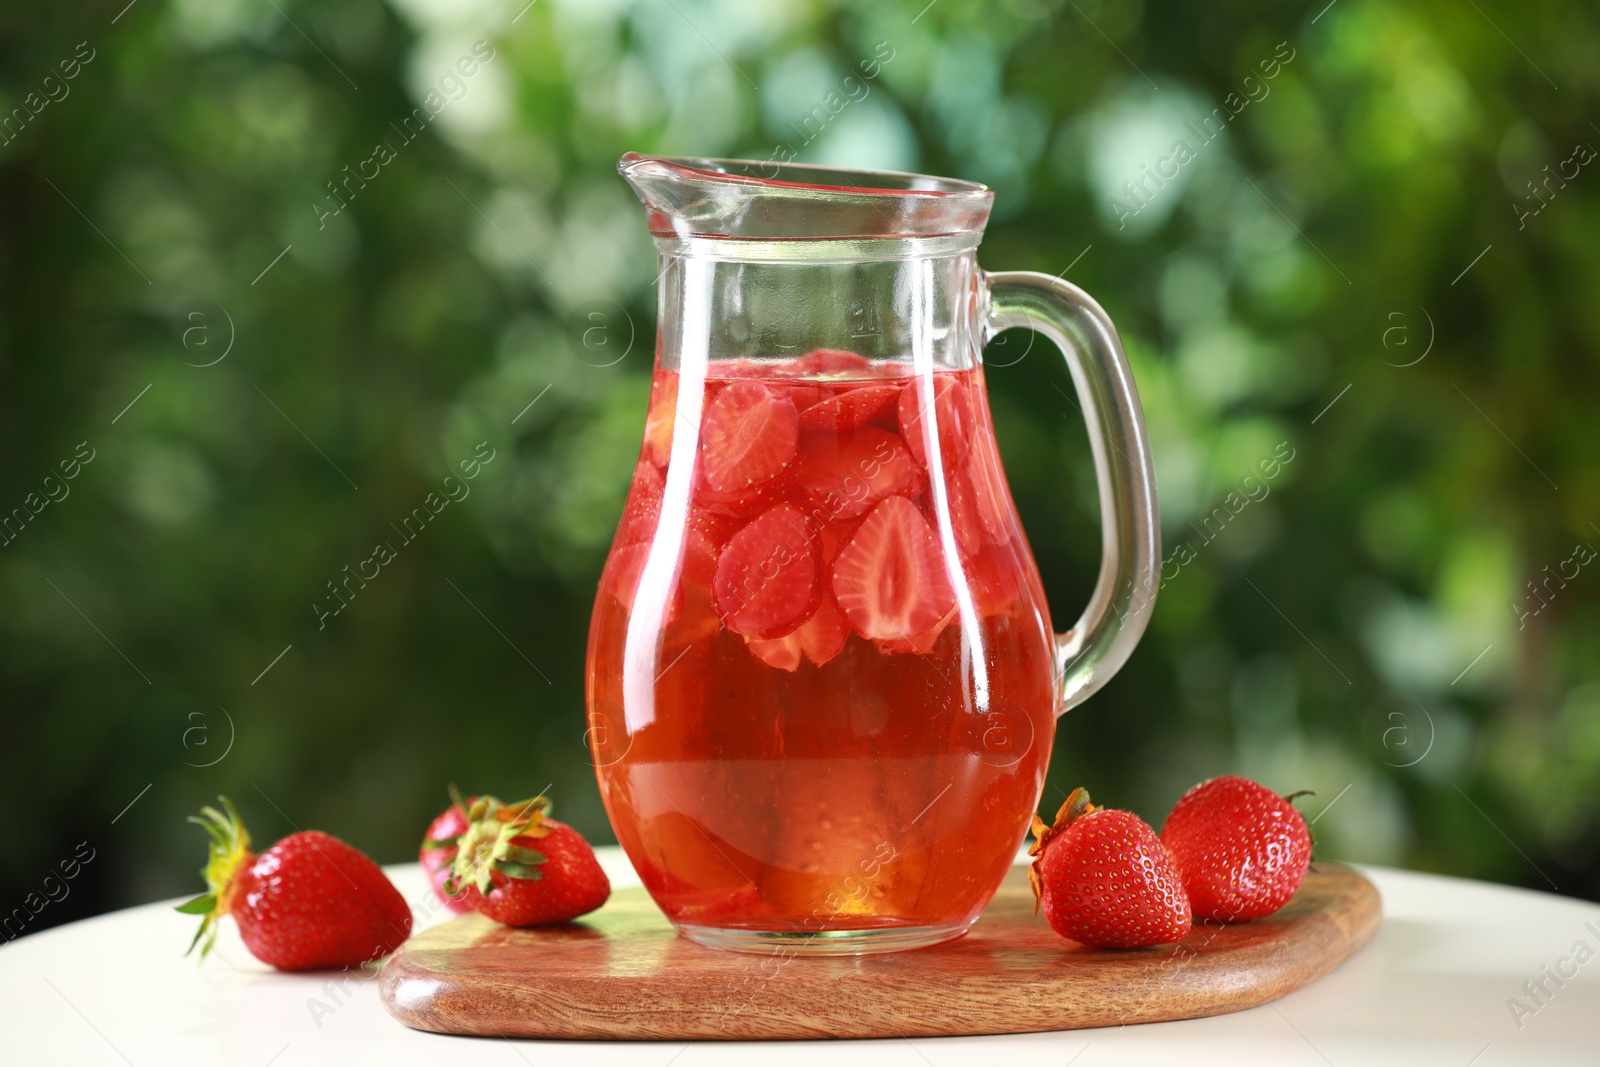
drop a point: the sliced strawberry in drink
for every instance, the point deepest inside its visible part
(978, 510)
(699, 558)
(832, 537)
(849, 409)
(890, 579)
(780, 653)
(920, 644)
(662, 418)
(819, 639)
(844, 475)
(823, 635)
(747, 437)
(994, 576)
(623, 568)
(713, 526)
(704, 534)
(643, 510)
(740, 504)
(821, 362)
(949, 410)
(768, 576)
(992, 504)
(692, 618)
(964, 515)
(804, 394)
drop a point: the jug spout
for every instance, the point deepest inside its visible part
(767, 201)
(768, 261)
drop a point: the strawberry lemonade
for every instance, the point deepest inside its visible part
(821, 672)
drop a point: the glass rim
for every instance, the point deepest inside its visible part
(697, 196)
(887, 183)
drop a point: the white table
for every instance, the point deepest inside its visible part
(1431, 988)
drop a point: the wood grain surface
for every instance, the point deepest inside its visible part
(624, 973)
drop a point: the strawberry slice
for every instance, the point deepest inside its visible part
(692, 618)
(964, 515)
(804, 394)
(950, 410)
(989, 494)
(832, 537)
(747, 437)
(768, 575)
(849, 409)
(643, 510)
(844, 475)
(831, 361)
(713, 527)
(890, 579)
(823, 635)
(705, 534)
(663, 415)
(995, 578)
(921, 644)
(819, 639)
(979, 510)
(699, 559)
(703, 538)
(741, 504)
(782, 653)
(623, 567)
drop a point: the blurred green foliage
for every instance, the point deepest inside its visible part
(1345, 271)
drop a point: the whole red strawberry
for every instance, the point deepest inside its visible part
(310, 902)
(1105, 879)
(438, 852)
(1242, 848)
(520, 867)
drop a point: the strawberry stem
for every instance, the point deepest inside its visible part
(491, 843)
(1075, 807)
(1310, 830)
(228, 852)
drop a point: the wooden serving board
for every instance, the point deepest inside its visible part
(624, 972)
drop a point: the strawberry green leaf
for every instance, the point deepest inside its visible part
(198, 934)
(518, 870)
(524, 855)
(204, 904)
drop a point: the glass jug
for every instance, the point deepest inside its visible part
(822, 682)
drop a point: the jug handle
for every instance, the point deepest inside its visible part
(1104, 636)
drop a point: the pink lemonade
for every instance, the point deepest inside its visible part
(821, 678)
